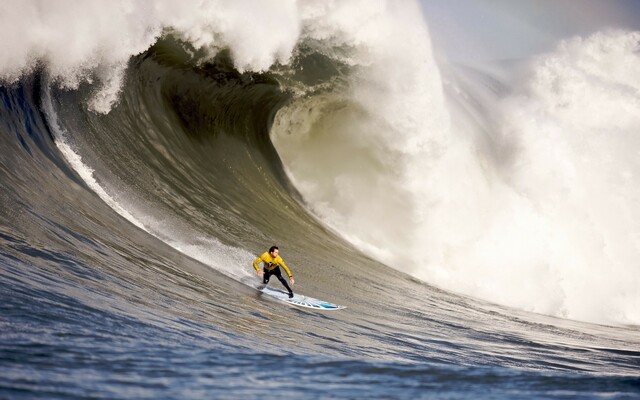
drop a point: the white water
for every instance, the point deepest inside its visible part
(542, 216)
(560, 232)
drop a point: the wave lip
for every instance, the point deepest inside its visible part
(97, 46)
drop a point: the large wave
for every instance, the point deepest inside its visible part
(526, 196)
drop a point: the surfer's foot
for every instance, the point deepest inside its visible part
(290, 295)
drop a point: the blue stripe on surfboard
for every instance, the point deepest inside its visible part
(301, 300)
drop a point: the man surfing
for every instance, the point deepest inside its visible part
(272, 263)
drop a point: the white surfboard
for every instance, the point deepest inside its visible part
(301, 300)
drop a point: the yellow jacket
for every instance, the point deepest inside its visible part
(270, 263)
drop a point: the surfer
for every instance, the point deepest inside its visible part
(272, 263)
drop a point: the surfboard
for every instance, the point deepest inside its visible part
(301, 300)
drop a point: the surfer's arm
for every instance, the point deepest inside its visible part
(286, 269)
(256, 264)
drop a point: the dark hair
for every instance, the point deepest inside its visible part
(272, 248)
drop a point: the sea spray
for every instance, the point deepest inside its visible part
(551, 226)
(541, 216)
(352, 151)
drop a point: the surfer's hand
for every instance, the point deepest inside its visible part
(291, 280)
(260, 274)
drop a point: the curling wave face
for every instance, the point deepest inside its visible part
(539, 189)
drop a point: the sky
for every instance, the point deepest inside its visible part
(477, 30)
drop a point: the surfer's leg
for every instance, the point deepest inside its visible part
(284, 282)
(266, 276)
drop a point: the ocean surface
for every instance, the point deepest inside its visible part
(479, 224)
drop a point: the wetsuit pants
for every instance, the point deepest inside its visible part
(278, 274)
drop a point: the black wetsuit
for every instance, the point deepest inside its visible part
(278, 274)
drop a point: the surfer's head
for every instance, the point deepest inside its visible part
(273, 250)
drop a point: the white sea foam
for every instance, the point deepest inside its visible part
(552, 224)
(92, 40)
(353, 153)
(543, 216)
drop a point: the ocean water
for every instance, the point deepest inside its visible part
(479, 222)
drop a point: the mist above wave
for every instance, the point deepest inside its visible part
(530, 202)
